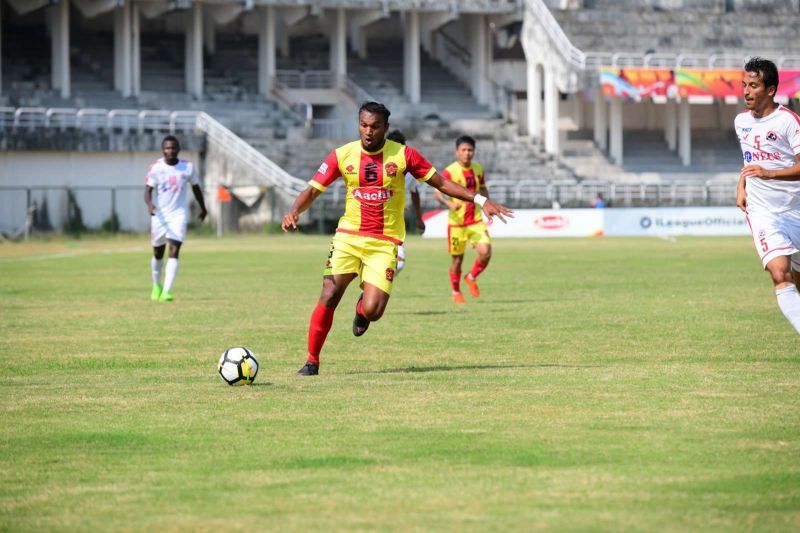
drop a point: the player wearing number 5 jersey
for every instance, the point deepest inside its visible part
(465, 222)
(769, 184)
(365, 244)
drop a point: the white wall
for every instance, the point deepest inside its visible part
(77, 169)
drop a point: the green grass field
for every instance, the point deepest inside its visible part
(599, 384)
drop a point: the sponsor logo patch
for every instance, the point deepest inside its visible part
(551, 221)
(389, 274)
(391, 169)
(372, 195)
(350, 168)
(323, 168)
(748, 156)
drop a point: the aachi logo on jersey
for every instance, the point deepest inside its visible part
(372, 194)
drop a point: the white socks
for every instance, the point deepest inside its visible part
(401, 258)
(789, 302)
(172, 272)
(155, 266)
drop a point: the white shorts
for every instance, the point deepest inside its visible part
(775, 235)
(171, 226)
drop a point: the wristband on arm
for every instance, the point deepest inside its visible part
(479, 199)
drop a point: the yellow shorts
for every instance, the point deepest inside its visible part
(375, 260)
(457, 237)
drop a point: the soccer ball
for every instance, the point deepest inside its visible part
(238, 366)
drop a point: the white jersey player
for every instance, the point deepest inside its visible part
(170, 178)
(412, 187)
(769, 184)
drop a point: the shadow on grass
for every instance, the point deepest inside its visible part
(444, 368)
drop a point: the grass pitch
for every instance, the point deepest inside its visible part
(597, 384)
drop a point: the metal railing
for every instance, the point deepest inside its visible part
(126, 120)
(545, 194)
(288, 80)
(571, 54)
(355, 91)
(306, 79)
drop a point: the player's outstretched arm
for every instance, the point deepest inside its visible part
(303, 202)
(198, 195)
(454, 190)
(148, 199)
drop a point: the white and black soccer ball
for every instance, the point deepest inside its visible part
(238, 366)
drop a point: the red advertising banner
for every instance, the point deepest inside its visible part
(708, 82)
(635, 83)
(789, 83)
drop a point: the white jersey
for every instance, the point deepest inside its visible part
(773, 143)
(171, 184)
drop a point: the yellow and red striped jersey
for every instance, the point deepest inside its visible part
(375, 183)
(473, 179)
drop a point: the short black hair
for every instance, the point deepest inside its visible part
(397, 136)
(171, 138)
(764, 67)
(465, 139)
(376, 109)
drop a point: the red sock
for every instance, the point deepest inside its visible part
(318, 328)
(477, 268)
(360, 308)
(455, 281)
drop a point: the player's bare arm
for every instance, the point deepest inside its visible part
(455, 190)
(783, 174)
(302, 203)
(445, 201)
(148, 199)
(198, 195)
(417, 212)
(741, 194)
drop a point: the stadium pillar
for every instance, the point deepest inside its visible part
(60, 48)
(338, 59)
(534, 102)
(194, 50)
(136, 51)
(122, 49)
(670, 124)
(550, 112)
(209, 36)
(600, 119)
(615, 141)
(411, 58)
(479, 50)
(685, 133)
(266, 49)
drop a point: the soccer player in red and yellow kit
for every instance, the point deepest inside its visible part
(465, 223)
(372, 226)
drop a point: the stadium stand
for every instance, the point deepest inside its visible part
(307, 106)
